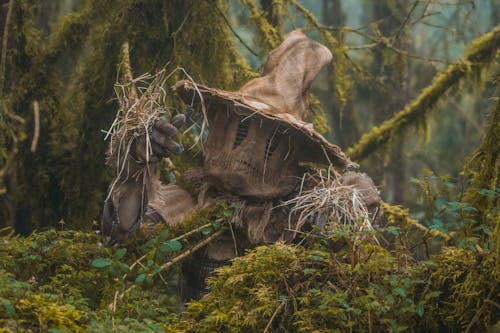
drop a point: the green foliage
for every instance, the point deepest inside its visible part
(445, 210)
(287, 288)
(69, 281)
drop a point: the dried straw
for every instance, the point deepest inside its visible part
(329, 204)
(141, 102)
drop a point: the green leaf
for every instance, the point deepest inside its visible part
(309, 270)
(206, 231)
(172, 245)
(393, 230)
(140, 278)
(163, 235)
(400, 291)
(156, 328)
(420, 310)
(448, 184)
(120, 253)
(227, 213)
(488, 193)
(436, 224)
(101, 263)
(415, 180)
(8, 306)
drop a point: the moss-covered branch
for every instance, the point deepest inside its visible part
(398, 215)
(480, 53)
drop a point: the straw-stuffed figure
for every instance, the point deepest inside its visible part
(255, 151)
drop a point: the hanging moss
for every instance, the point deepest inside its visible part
(340, 64)
(270, 37)
(71, 74)
(480, 54)
(482, 171)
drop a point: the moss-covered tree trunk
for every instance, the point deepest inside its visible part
(71, 71)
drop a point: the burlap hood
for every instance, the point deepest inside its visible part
(280, 95)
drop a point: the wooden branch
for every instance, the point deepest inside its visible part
(185, 254)
(481, 52)
(235, 33)
(5, 40)
(269, 323)
(189, 233)
(36, 135)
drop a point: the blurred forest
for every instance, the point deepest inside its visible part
(411, 95)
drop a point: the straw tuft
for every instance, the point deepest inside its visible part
(330, 204)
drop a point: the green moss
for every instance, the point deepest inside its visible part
(482, 171)
(270, 36)
(71, 74)
(283, 288)
(468, 284)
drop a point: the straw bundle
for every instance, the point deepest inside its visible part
(330, 204)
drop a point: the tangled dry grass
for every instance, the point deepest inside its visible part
(330, 204)
(141, 102)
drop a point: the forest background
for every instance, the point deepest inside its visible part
(425, 72)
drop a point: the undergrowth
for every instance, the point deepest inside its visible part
(70, 281)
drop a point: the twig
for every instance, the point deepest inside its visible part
(36, 135)
(478, 313)
(191, 250)
(235, 33)
(5, 40)
(175, 260)
(407, 18)
(278, 309)
(127, 75)
(234, 239)
(189, 233)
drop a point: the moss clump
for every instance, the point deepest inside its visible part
(469, 287)
(286, 288)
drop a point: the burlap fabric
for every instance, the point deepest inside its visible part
(280, 95)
